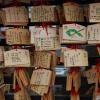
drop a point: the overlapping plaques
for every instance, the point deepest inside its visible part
(94, 12)
(15, 16)
(20, 92)
(44, 39)
(45, 59)
(73, 33)
(40, 81)
(17, 36)
(43, 14)
(23, 75)
(93, 34)
(75, 58)
(73, 12)
(17, 58)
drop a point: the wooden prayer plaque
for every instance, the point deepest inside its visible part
(15, 16)
(75, 58)
(94, 12)
(43, 14)
(73, 33)
(17, 36)
(73, 12)
(41, 77)
(93, 34)
(41, 90)
(42, 59)
(17, 57)
(44, 39)
(41, 80)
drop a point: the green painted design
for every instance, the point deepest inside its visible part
(74, 31)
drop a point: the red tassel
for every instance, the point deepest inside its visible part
(73, 92)
(45, 26)
(98, 90)
(74, 46)
(98, 65)
(74, 69)
(17, 88)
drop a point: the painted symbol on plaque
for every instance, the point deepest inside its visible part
(72, 32)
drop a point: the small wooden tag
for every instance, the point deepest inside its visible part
(17, 57)
(75, 57)
(73, 12)
(17, 36)
(94, 12)
(15, 16)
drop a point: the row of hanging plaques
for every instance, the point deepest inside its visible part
(72, 12)
(26, 58)
(42, 80)
(50, 38)
(43, 77)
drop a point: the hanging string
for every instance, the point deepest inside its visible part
(73, 92)
(74, 46)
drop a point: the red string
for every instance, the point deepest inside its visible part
(74, 46)
(98, 90)
(74, 69)
(18, 69)
(98, 45)
(73, 92)
(45, 26)
(98, 67)
(17, 88)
